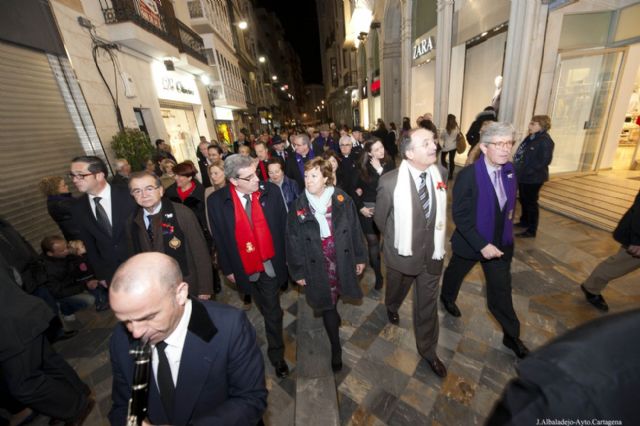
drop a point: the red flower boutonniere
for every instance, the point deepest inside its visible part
(167, 228)
(340, 198)
(441, 186)
(301, 213)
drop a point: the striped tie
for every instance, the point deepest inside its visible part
(423, 193)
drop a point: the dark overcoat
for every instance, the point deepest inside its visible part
(537, 154)
(304, 249)
(222, 220)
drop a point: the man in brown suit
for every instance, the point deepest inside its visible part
(169, 228)
(411, 213)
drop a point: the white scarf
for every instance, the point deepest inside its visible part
(403, 212)
(319, 206)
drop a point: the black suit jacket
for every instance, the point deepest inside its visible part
(466, 240)
(628, 230)
(293, 172)
(105, 253)
(223, 225)
(221, 376)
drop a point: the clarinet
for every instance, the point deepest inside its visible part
(138, 403)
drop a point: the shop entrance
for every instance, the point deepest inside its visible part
(180, 122)
(627, 153)
(584, 89)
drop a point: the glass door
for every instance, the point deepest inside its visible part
(584, 90)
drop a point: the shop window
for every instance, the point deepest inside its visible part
(628, 23)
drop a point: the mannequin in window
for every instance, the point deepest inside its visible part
(495, 101)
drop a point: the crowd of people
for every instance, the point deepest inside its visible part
(305, 206)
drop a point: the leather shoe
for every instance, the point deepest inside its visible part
(595, 299)
(336, 361)
(282, 369)
(516, 345)
(451, 307)
(438, 367)
(394, 318)
(526, 234)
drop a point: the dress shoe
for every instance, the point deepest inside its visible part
(526, 234)
(394, 318)
(521, 225)
(516, 346)
(282, 369)
(451, 307)
(595, 299)
(336, 361)
(438, 367)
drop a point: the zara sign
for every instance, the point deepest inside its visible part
(422, 46)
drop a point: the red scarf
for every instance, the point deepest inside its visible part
(185, 194)
(263, 170)
(254, 244)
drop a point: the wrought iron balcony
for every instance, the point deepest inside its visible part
(191, 42)
(152, 20)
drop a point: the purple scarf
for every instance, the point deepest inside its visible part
(486, 206)
(301, 160)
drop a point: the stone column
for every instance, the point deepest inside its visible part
(523, 57)
(405, 46)
(443, 62)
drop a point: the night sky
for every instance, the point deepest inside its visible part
(300, 24)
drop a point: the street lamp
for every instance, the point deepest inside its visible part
(274, 77)
(262, 59)
(243, 25)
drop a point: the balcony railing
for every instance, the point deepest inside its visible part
(153, 20)
(195, 9)
(191, 42)
(116, 11)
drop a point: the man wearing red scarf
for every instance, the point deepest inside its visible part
(248, 219)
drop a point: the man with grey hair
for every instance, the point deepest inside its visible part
(248, 219)
(123, 170)
(206, 366)
(411, 213)
(303, 152)
(484, 199)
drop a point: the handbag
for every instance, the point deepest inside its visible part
(461, 143)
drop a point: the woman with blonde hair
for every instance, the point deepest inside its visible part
(59, 201)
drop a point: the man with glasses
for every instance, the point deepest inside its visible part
(169, 228)
(484, 199)
(101, 215)
(303, 152)
(248, 219)
(347, 173)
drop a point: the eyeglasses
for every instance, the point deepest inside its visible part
(247, 179)
(345, 144)
(147, 190)
(79, 176)
(502, 145)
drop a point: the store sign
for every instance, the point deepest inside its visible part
(422, 47)
(149, 10)
(175, 85)
(223, 113)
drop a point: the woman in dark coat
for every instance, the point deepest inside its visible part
(374, 162)
(325, 251)
(189, 191)
(531, 162)
(59, 202)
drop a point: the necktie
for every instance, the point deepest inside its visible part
(150, 227)
(247, 207)
(499, 187)
(423, 193)
(101, 216)
(165, 380)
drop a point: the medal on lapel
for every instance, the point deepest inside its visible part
(175, 243)
(250, 247)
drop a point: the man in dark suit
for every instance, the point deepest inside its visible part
(248, 220)
(169, 228)
(590, 372)
(483, 207)
(262, 155)
(625, 261)
(303, 152)
(347, 173)
(123, 170)
(207, 368)
(101, 214)
(279, 149)
(410, 211)
(203, 162)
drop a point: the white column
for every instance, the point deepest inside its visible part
(523, 57)
(405, 46)
(443, 62)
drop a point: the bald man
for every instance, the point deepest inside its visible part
(207, 367)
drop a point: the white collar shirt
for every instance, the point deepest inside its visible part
(105, 202)
(175, 346)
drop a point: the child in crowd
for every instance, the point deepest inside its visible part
(67, 281)
(98, 289)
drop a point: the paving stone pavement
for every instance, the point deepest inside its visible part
(384, 381)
